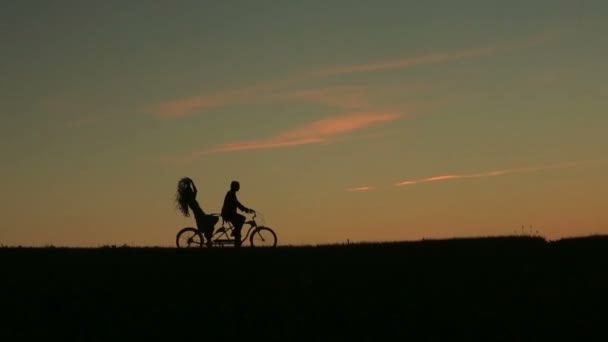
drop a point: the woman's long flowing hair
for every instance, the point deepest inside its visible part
(184, 195)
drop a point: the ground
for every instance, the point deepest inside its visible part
(491, 289)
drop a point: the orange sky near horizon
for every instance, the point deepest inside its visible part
(342, 120)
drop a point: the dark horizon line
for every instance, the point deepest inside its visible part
(348, 242)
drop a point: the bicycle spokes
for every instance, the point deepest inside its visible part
(189, 237)
(263, 237)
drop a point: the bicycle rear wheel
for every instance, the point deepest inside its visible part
(263, 237)
(189, 238)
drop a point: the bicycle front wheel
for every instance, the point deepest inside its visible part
(263, 237)
(189, 238)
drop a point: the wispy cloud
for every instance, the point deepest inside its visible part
(344, 97)
(434, 58)
(361, 188)
(185, 106)
(406, 62)
(494, 173)
(355, 98)
(451, 177)
(320, 131)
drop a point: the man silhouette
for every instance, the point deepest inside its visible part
(229, 213)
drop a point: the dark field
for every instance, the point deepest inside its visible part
(491, 289)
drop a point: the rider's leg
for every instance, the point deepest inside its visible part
(205, 225)
(238, 220)
(208, 232)
(209, 228)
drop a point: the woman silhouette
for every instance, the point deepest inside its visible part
(186, 200)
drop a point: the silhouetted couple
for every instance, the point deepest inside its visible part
(186, 199)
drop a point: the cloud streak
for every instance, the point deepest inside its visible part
(406, 62)
(355, 98)
(320, 131)
(494, 173)
(434, 58)
(361, 188)
(183, 107)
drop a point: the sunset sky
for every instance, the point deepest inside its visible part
(360, 120)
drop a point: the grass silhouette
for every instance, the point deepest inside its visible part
(496, 288)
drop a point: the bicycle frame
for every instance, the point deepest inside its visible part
(228, 227)
(195, 237)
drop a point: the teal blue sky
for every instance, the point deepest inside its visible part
(360, 120)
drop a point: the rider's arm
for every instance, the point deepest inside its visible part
(194, 188)
(240, 205)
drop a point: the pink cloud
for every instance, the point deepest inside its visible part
(319, 131)
(490, 173)
(435, 58)
(359, 98)
(440, 178)
(450, 177)
(263, 144)
(407, 62)
(361, 188)
(340, 97)
(182, 107)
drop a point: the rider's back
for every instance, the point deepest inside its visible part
(196, 208)
(230, 204)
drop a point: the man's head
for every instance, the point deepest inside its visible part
(235, 186)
